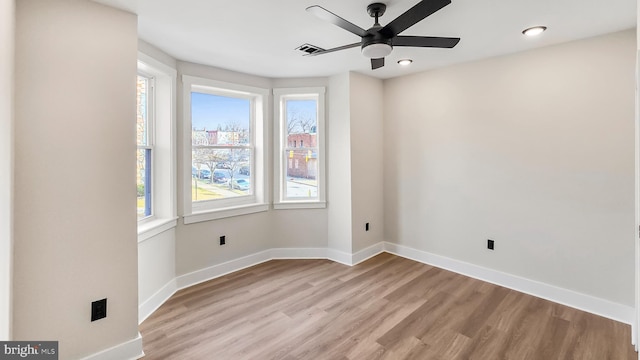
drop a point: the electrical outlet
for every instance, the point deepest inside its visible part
(490, 244)
(223, 240)
(98, 309)
(366, 227)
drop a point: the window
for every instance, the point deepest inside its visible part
(224, 137)
(299, 161)
(155, 166)
(144, 131)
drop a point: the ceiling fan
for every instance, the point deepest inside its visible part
(378, 41)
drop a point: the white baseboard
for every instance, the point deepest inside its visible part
(156, 300)
(584, 302)
(339, 256)
(128, 350)
(212, 272)
(367, 253)
(298, 253)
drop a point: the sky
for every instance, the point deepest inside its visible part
(208, 111)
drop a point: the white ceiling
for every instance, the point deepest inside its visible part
(259, 37)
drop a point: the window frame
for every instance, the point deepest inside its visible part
(163, 158)
(280, 95)
(232, 206)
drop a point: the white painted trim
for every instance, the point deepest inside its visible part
(128, 350)
(215, 271)
(299, 253)
(367, 253)
(339, 256)
(223, 208)
(221, 213)
(156, 300)
(584, 302)
(300, 205)
(280, 202)
(155, 227)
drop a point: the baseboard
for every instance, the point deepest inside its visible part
(588, 303)
(584, 302)
(298, 253)
(156, 300)
(212, 272)
(367, 253)
(128, 350)
(339, 256)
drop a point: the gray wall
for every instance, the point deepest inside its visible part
(339, 164)
(7, 10)
(75, 220)
(534, 150)
(367, 153)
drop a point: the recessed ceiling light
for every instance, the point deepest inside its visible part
(534, 31)
(405, 62)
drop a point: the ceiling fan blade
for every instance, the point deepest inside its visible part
(377, 63)
(327, 15)
(426, 41)
(333, 49)
(410, 17)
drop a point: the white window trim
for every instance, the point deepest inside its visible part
(164, 157)
(278, 189)
(244, 204)
(150, 138)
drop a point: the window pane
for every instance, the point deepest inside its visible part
(143, 164)
(222, 148)
(301, 149)
(302, 172)
(220, 173)
(143, 181)
(220, 120)
(142, 127)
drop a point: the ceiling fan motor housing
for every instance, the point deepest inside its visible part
(376, 41)
(382, 44)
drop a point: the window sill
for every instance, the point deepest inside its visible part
(155, 227)
(300, 205)
(224, 213)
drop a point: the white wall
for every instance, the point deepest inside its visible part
(367, 97)
(75, 220)
(534, 150)
(7, 14)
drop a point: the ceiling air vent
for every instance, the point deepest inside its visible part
(309, 49)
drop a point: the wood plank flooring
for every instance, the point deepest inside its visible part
(384, 308)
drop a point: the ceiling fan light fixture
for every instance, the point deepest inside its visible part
(405, 62)
(534, 31)
(377, 51)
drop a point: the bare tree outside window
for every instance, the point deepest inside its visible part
(221, 146)
(301, 150)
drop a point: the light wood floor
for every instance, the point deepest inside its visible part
(385, 308)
